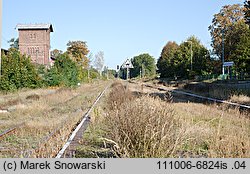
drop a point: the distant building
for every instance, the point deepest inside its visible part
(34, 41)
(4, 51)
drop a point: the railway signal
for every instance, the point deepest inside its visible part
(127, 65)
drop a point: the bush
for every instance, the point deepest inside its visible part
(94, 74)
(65, 72)
(18, 72)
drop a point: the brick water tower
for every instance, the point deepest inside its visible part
(34, 41)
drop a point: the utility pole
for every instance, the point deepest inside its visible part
(223, 52)
(140, 73)
(118, 71)
(127, 73)
(88, 73)
(107, 72)
(191, 55)
(191, 52)
(143, 70)
(222, 27)
(1, 37)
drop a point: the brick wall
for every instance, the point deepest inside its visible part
(36, 44)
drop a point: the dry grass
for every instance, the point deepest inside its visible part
(143, 128)
(243, 99)
(150, 127)
(20, 96)
(44, 115)
(225, 133)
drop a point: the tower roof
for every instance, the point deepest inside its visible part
(34, 26)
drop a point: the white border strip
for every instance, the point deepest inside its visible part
(72, 136)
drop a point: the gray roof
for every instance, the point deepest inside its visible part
(34, 26)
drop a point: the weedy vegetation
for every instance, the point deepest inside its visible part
(48, 119)
(141, 126)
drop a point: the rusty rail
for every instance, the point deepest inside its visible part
(200, 97)
(7, 131)
(85, 119)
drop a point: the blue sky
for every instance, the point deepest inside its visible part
(120, 28)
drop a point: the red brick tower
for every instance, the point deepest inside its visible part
(34, 41)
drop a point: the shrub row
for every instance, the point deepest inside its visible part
(18, 72)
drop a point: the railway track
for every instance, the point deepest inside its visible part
(74, 137)
(177, 91)
(67, 147)
(11, 130)
(15, 127)
(28, 153)
(55, 137)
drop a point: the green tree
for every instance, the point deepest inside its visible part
(18, 72)
(242, 53)
(200, 56)
(14, 43)
(247, 11)
(55, 53)
(145, 64)
(94, 74)
(78, 51)
(165, 63)
(175, 61)
(65, 72)
(230, 21)
(237, 39)
(227, 25)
